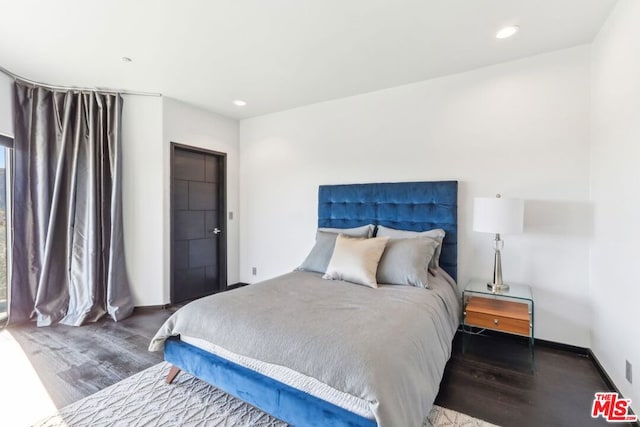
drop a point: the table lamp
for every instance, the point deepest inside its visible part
(498, 215)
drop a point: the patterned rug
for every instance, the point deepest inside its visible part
(144, 399)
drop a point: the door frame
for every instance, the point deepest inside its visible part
(222, 215)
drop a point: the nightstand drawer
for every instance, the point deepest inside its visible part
(500, 315)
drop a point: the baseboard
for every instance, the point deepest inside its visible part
(603, 373)
(236, 285)
(152, 307)
(583, 351)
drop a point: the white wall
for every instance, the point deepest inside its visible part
(519, 128)
(142, 198)
(149, 126)
(188, 125)
(6, 109)
(615, 175)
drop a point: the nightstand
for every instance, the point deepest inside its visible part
(509, 311)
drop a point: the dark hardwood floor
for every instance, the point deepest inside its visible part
(74, 362)
(492, 380)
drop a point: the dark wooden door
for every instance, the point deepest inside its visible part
(198, 223)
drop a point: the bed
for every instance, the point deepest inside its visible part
(316, 352)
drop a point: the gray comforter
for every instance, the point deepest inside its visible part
(387, 346)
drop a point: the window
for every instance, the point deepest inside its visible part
(5, 163)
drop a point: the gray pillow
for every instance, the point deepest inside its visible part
(405, 262)
(320, 255)
(437, 234)
(363, 231)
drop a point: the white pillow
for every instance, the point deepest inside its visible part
(356, 260)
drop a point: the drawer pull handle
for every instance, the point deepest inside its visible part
(495, 321)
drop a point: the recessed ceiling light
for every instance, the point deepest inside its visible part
(126, 59)
(239, 103)
(507, 32)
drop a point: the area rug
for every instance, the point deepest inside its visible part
(144, 399)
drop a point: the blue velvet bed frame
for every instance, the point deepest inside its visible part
(416, 206)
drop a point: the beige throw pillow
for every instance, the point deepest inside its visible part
(356, 260)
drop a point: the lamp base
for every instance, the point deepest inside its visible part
(495, 287)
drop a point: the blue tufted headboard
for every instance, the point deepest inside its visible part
(415, 206)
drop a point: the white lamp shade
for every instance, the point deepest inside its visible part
(498, 215)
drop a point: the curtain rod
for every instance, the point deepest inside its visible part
(82, 89)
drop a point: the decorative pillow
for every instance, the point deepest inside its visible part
(363, 231)
(318, 258)
(356, 260)
(436, 234)
(405, 262)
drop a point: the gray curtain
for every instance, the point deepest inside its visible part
(68, 261)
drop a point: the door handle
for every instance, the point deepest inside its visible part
(215, 231)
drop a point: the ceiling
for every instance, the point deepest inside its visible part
(277, 54)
